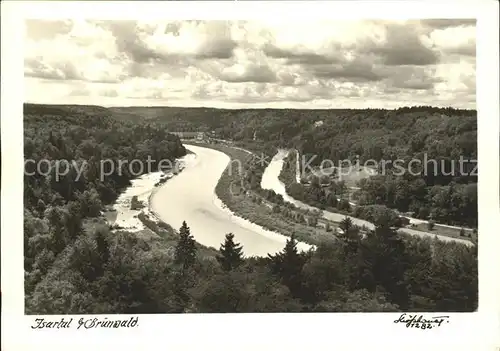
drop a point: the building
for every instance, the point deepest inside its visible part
(199, 136)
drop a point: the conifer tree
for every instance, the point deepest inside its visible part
(185, 251)
(346, 225)
(102, 245)
(328, 228)
(288, 265)
(231, 255)
(431, 224)
(385, 253)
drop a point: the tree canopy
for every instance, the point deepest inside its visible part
(74, 264)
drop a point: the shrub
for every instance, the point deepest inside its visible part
(135, 204)
(431, 224)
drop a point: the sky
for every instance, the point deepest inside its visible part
(249, 64)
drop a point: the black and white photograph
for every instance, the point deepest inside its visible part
(200, 166)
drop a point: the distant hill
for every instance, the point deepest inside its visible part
(374, 133)
(157, 112)
(83, 115)
(405, 134)
(57, 109)
(204, 118)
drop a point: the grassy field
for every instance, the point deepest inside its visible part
(350, 175)
(262, 214)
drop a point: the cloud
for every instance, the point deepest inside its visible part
(403, 46)
(414, 78)
(249, 73)
(36, 67)
(252, 63)
(456, 40)
(43, 29)
(355, 71)
(80, 92)
(300, 55)
(171, 42)
(256, 92)
(448, 23)
(85, 52)
(458, 77)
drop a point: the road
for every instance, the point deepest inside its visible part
(270, 181)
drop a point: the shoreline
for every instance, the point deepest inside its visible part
(262, 215)
(218, 203)
(245, 223)
(181, 167)
(404, 230)
(258, 228)
(142, 187)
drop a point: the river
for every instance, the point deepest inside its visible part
(271, 181)
(190, 196)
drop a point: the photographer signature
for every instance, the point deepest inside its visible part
(418, 321)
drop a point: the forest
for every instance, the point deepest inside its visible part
(122, 273)
(428, 140)
(55, 205)
(74, 263)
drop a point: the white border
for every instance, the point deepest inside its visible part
(279, 331)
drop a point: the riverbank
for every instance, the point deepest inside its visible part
(443, 232)
(145, 222)
(242, 204)
(121, 216)
(205, 213)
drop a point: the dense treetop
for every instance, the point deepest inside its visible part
(75, 264)
(56, 209)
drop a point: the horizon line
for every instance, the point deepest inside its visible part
(253, 108)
